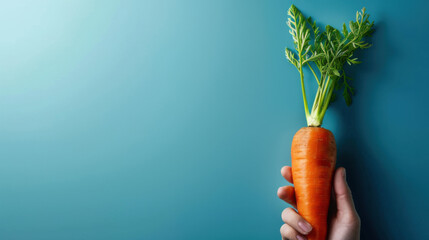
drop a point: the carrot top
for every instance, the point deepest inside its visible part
(325, 54)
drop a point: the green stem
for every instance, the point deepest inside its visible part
(325, 87)
(315, 76)
(316, 99)
(326, 104)
(321, 102)
(318, 95)
(303, 89)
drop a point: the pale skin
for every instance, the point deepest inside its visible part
(344, 221)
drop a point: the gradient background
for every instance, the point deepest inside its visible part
(171, 119)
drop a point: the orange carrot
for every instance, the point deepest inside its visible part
(324, 53)
(313, 163)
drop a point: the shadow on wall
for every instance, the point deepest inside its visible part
(370, 181)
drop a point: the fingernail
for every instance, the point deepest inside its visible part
(299, 237)
(306, 227)
(344, 173)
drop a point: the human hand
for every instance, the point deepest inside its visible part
(343, 222)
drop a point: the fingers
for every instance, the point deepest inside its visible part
(287, 194)
(287, 173)
(343, 196)
(288, 233)
(295, 221)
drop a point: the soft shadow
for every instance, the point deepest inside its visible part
(368, 179)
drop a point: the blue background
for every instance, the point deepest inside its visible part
(171, 119)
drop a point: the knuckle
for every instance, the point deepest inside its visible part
(282, 229)
(288, 214)
(289, 211)
(356, 219)
(287, 231)
(285, 213)
(350, 218)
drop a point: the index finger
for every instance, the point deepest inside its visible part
(287, 173)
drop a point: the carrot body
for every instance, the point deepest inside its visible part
(313, 163)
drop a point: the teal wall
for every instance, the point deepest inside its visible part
(171, 119)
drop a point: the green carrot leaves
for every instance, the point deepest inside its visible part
(327, 52)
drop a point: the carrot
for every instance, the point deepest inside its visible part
(313, 163)
(324, 53)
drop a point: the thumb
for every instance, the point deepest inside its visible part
(343, 195)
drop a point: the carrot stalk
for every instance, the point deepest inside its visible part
(313, 163)
(327, 51)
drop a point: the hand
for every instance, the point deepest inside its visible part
(343, 222)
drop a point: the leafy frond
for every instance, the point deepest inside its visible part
(298, 29)
(291, 57)
(328, 50)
